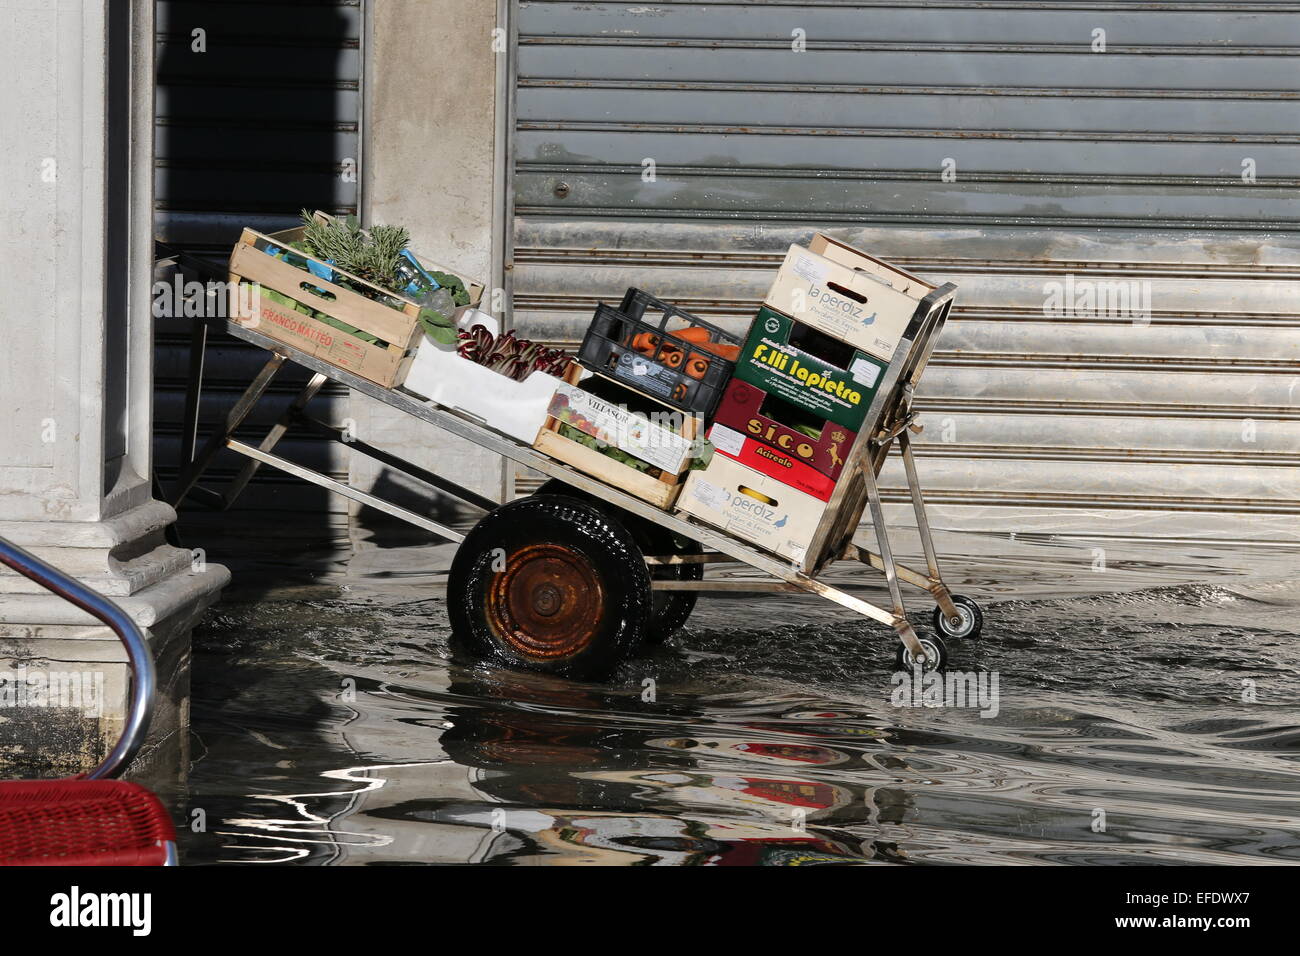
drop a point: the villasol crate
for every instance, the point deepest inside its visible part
(847, 294)
(768, 513)
(380, 314)
(809, 369)
(611, 416)
(780, 440)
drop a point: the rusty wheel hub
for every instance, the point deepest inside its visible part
(547, 603)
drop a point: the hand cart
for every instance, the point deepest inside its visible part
(573, 578)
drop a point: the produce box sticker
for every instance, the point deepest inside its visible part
(769, 362)
(726, 439)
(812, 268)
(867, 373)
(646, 376)
(710, 495)
(626, 430)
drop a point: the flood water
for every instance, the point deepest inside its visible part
(1149, 714)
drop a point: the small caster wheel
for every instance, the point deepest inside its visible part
(972, 620)
(936, 654)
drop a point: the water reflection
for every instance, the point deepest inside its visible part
(782, 751)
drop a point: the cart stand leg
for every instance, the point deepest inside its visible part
(901, 625)
(898, 622)
(936, 585)
(882, 540)
(246, 473)
(905, 574)
(193, 394)
(234, 418)
(324, 481)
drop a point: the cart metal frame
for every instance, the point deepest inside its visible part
(889, 421)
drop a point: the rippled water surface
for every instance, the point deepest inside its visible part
(1161, 725)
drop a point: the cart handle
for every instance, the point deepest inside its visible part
(127, 631)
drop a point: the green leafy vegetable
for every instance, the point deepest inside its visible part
(438, 327)
(452, 284)
(582, 438)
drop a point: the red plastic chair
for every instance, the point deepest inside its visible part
(92, 820)
(83, 823)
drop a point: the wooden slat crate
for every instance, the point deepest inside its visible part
(385, 363)
(660, 491)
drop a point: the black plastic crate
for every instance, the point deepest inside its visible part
(675, 371)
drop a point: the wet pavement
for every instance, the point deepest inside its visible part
(1134, 704)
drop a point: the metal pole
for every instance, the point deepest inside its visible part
(127, 631)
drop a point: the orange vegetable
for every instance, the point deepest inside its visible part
(697, 366)
(721, 349)
(694, 334)
(645, 343)
(673, 358)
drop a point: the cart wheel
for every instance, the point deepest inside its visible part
(935, 651)
(550, 583)
(972, 620)
(669, 609)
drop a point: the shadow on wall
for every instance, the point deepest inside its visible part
(258, 117)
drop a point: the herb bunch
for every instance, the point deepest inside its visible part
(342, 242)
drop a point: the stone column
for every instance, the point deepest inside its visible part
(76, 389)
(431, 82)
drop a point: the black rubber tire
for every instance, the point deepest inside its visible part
(972, 620)
(669, 609)
(931, 642)
(553, 486)
(496, 612)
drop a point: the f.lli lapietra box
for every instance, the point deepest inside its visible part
(830, 379)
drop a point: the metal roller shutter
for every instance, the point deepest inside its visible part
(258, 124)
(680, 147)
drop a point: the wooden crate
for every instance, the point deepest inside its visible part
(660, 491)
(397, 327)
(384, 364)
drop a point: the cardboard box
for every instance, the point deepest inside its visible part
(749, 427)
(852, 302)
(898, 279)
(839, 391)
(767, 418)
(517, 409)
(784, 466)
(754, 507)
